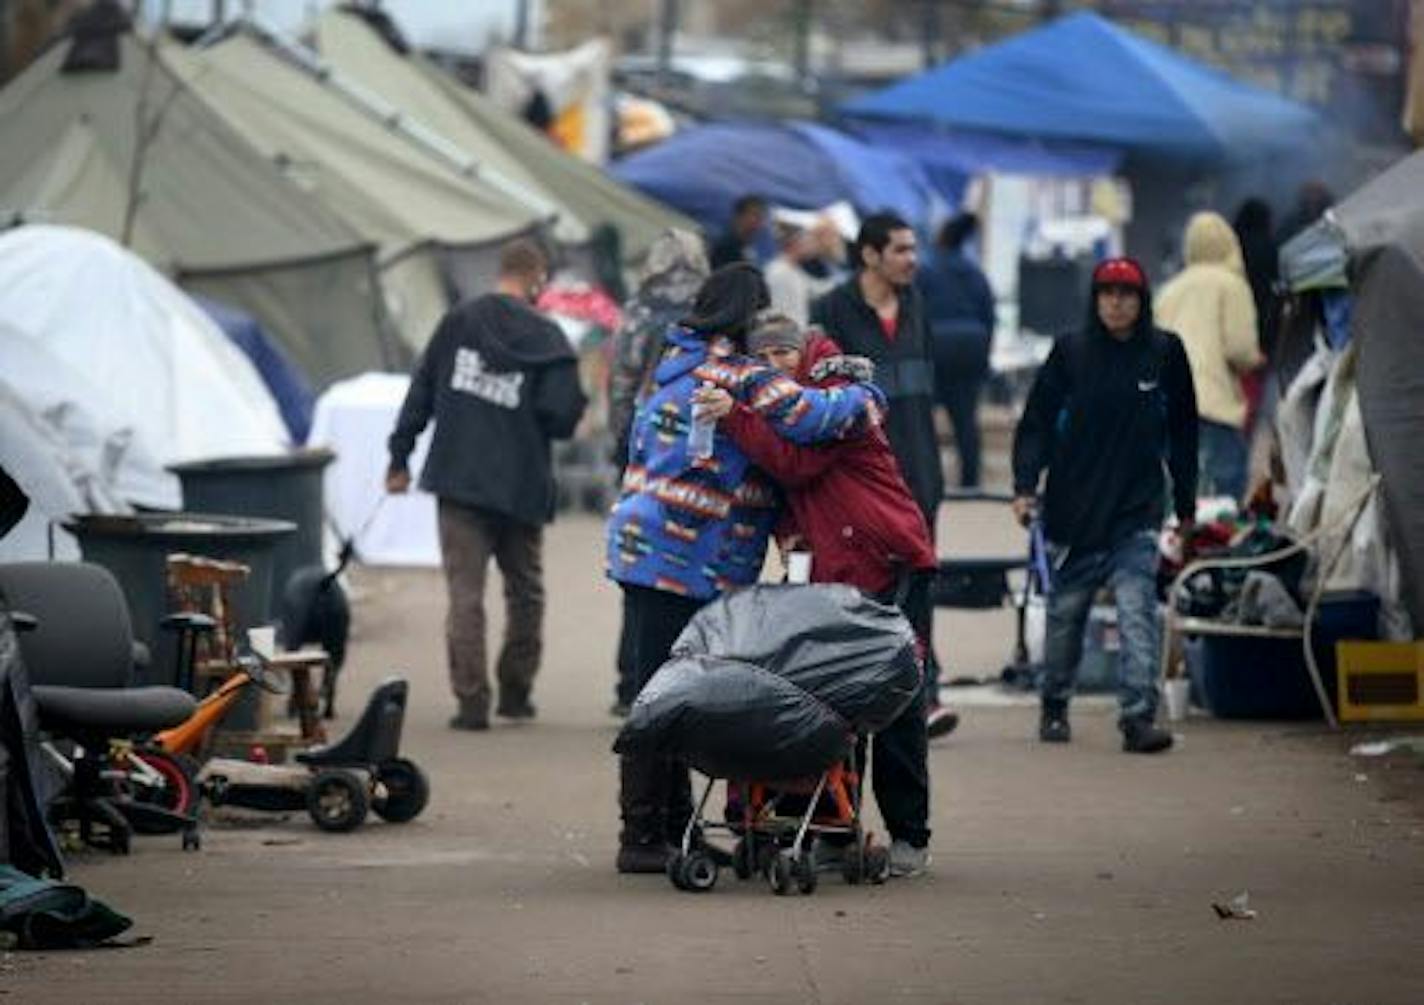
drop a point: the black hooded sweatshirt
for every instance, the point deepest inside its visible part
(500, 381)
(1104, 418)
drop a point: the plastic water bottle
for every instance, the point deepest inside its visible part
(700, 437)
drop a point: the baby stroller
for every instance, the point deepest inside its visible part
(777, 826)
(771, 688)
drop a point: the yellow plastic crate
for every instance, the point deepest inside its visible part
(1380, 681)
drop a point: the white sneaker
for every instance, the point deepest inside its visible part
(907, 860)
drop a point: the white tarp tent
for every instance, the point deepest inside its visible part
(60, 476)
(93, 333)
(354, 418)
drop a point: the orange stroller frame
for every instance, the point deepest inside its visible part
(781, 847)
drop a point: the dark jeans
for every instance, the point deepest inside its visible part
(961, 368)
(469, 538)
(900, 774)
(1130, 568)
(654, 793)
(1224, 458)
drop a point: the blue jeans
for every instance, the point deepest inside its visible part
(1223, 457)
(1130, 568)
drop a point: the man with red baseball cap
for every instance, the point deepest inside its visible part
(1111, 416)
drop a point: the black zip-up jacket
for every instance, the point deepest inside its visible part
(1104, 417)
(904, 370)
(500, 381)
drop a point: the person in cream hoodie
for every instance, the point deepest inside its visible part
(1210, 306)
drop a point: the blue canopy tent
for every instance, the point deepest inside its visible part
(288, 386)
(1082, 78)
(702, 171)
(950, 157)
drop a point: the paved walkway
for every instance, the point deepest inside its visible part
(1062, 875)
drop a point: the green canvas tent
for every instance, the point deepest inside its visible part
(205, 206)
(438, 229)
(584, 195)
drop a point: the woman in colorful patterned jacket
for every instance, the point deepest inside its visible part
(686, 529)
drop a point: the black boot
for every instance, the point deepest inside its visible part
(1140, 736)
(473, 715)
(1053, 723)
(642, 845)
(514, 705)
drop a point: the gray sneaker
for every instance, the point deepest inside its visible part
(907, 860)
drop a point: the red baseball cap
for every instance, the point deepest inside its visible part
(1120, 272)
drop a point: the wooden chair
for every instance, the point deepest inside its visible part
(208, 586)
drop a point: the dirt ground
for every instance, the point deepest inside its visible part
(1065, 875)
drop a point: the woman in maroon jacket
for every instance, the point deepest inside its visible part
(849, 506)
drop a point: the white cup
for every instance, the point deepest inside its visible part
(798, 567)
(263, 640)
(1174, 693)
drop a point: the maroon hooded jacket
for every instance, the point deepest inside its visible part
(847, 498)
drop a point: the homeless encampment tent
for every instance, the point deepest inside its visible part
(438, 229)
(1352, 407)
(774, 682)
(584, 196)
(122, 146)
(122, 365)
(1081, 79)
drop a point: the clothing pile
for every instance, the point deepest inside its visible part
(1268, 594)
(775, 682)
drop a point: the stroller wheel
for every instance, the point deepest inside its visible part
(853, 865)
(877, 863)
(698, 872)
(778, 874)
(805, 872)
(674, 869)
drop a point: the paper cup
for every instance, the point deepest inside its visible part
(1174, 694)
(263, 640)
(798, 567)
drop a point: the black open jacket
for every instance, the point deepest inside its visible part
(904, 370)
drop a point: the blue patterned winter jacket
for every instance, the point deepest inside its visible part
(699, 527)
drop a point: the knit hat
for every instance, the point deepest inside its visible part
(774, 330)
(1120, 272)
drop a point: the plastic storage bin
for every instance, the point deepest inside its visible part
(1240, 677)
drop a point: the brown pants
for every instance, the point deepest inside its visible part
(468, 538)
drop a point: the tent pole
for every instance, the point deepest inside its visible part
(397, 121)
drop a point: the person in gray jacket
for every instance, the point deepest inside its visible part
(500, 382)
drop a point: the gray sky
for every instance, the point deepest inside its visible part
(465, 26)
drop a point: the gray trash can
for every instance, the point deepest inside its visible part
(278, 487)
(136, 548)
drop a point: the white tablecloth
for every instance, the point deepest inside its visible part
(354, 418)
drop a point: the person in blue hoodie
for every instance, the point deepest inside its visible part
(685, 528)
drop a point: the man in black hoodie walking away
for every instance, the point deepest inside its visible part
(1111, 409)
(501, 382)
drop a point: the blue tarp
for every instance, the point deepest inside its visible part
(1083, 78)
(288, 386)
(702, 171)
